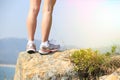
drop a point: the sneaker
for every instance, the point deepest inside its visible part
(48, 49)
(31, 48)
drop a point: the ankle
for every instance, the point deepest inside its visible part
(45, 44)
(30, 42)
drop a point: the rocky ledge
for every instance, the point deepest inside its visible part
(114, 76)
(55, 66)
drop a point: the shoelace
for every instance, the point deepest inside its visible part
(52, 41)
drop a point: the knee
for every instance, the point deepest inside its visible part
(35, 10)
(48, 10)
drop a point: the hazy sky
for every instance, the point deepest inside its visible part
(85, 23)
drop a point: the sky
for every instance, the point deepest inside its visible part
(82, 23)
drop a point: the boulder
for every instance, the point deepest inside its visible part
(55, 66)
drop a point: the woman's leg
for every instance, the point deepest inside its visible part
(32, 18)
(47, 18)
(31, 24)
(46, 47)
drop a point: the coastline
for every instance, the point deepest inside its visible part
(7, 65)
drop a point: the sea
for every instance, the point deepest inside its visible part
(7, 72)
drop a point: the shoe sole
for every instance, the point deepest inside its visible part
(47, 52)
(31, 51)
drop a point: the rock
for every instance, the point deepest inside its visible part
(55, 66)
(114, 76)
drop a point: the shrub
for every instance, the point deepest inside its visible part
(90, 64)
(112, 51)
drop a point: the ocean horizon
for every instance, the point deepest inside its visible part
(7, 71)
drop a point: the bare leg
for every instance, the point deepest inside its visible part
(32, 18)
(47, 18)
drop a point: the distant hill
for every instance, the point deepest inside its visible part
(10, 48)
